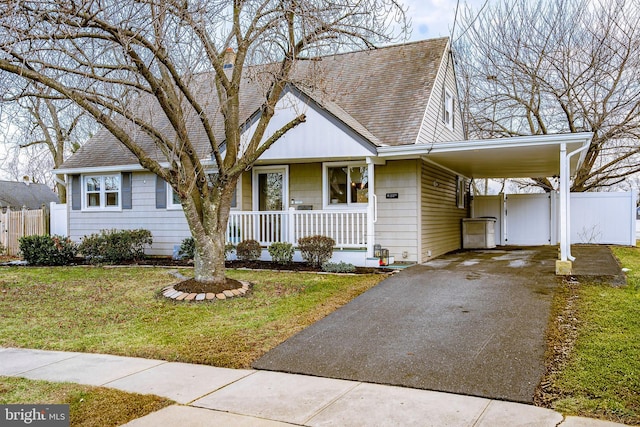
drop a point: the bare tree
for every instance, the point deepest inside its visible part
(557, 66)
(115, 58)
(45, 129)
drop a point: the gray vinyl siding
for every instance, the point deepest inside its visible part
(433, 128)
(168, 226)
(305, 184)
(397, 228)
(440, 216)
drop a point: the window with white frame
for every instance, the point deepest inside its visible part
(347, 184)
(102, 191)
(173, 199)
(447, 109)
(174, 202)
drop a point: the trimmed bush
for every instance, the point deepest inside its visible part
(114, 246)
(47, 250)
(339, 267)
(248, 250)
(187, 248)
(281, 252)
(316, 249)
(229, 248)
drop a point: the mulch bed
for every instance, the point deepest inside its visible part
(193, 286)
(253, 265)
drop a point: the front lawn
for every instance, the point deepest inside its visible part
(119, 311)
(601, 376)
(88, 406)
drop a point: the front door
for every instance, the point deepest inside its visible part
(270, 195)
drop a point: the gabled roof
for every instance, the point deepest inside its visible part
(381, 94)
(19, 194)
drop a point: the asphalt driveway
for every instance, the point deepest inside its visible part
(469, 323)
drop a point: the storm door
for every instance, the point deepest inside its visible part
(270, 196)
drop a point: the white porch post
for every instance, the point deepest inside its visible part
(564, 264)
(371, 208)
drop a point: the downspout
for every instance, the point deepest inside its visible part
(568, 200)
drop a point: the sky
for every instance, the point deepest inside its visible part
(435, 18)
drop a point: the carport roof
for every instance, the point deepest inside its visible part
(518, 157)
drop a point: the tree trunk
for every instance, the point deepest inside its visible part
(209, 228)
(209, 258)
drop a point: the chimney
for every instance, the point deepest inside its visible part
(229, 58)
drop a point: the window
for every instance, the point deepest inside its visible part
(447, 109)
(173, 199)
(347, 184)
(174, 202)
(461, 191)
(102, 192)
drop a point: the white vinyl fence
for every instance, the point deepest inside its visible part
(58, 221)
(532, 219)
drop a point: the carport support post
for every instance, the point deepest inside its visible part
(564, 265)
(371, 207)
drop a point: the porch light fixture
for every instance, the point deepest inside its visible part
(376, 250)
(384, 257)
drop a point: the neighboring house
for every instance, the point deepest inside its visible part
(26, 194)
(372, 164)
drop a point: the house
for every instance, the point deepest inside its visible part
(380, 160)
(18, 195)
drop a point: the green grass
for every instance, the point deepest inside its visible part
(88, 406)
(602, 376)
(119, 311)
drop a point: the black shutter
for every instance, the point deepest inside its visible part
(127, 202)
(161, 193)
(76, 193)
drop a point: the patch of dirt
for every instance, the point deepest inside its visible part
(193, 286)
(561, 337)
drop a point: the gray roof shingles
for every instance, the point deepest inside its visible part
(381, 94)
(17, 195)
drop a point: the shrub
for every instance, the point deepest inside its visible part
(229, 248)
(281, 252)
(187, 248)
(114, 246)
(248, 250)
(47, 250)
(316, 249)
(340, 267)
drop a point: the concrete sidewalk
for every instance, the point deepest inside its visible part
(210, 396)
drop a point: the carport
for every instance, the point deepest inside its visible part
(518, 157)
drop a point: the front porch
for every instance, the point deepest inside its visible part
(347, 228)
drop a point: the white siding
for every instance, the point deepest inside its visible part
(433, 129)
(168, 226)
(321, 136)
(397, 228)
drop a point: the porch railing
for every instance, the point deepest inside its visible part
(347, 228)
